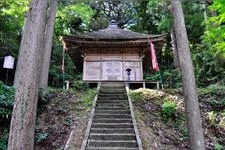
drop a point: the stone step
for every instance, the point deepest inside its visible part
(115, 91)
(112, 115)
(112, 102)
(115, 116)
(112, 111)
(112, 108)
(112, 90)
(110, 148)
(112, 105)
(107, 120)
(112, 98)
(112, 125)
(125, 144)
(112, 94)
(111, 130)
(113, 87)
(112, 137)
(112, 84)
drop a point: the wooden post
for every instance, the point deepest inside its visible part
(67, 84)
(157, 83)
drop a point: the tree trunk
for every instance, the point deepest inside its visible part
(47, 47)
(196, 140)
(174, 47)
(21, 136)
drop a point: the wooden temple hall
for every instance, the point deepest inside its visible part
(105, 55)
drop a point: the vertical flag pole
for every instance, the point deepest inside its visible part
(63, 69)
(161, 80)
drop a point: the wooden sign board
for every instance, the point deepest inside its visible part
(8, 62)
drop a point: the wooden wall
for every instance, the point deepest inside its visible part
(104, 67)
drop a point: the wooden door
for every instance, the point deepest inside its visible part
(112, 70)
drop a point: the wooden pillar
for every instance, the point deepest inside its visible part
(123, 66)
(101, 66)
(84, 68)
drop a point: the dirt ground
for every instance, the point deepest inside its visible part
(157, 134)
(62, 122)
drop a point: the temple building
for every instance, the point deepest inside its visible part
(105, 55)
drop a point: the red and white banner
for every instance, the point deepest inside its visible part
(153, 55)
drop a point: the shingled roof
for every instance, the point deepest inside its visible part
(115, 33)
(112, 33)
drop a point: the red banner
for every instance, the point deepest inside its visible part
(153, 55)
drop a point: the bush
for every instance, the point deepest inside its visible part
(136, 96)
(168, 109)
(41, 136)
(88, 98)
(4, 140)
(171, 78)
(7, 95)
(79, 84)
(44, 96)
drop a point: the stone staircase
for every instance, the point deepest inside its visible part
(112, 122)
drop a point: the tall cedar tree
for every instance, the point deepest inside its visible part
(196, 140)
(22, 126)
(47, 46)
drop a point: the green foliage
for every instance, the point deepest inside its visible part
(43, 96)
(88, 97)
(4, 139)
(11, 18)
(6, 101)
(210, 60)
(151, 17)
(79, 84)
(68, 120)
(180, 125)
(168, 110)
(208, 68)
(216, 32)
(215, 88)
(194, 18)
(212, 117)
(218, 146)
(73, 18)
(171, 78)
(135, 96)
(55, 71)
(41, 136)
(212, 89)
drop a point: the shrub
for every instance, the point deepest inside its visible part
(79, 84)
(41, 136)
(88, 98)
(135, 96)
(171, 78)
(44, 96)
(7, 95)
(212, 117)
(4, 139)
(168, 109)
